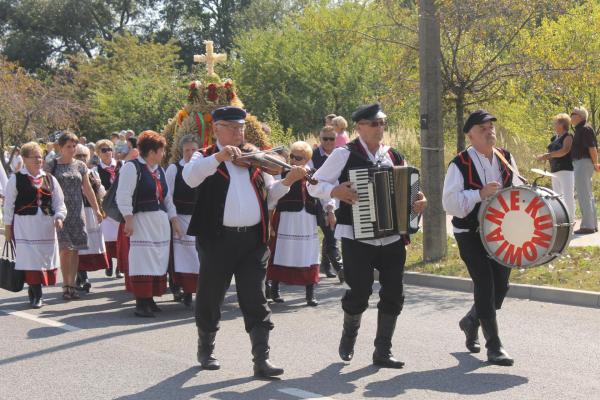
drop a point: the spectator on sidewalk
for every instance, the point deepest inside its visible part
(585, 161)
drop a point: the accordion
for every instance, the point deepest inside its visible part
(385, 198)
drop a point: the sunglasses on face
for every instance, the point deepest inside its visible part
(374, 124)
(106, 150)
(297, 158)
(327, 139)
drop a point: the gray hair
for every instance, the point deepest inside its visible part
(187, 139)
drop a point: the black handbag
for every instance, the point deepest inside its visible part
(10, 278)
(109, 203)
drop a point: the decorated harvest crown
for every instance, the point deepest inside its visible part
(203, 98)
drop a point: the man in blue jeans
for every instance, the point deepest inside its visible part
(584, 153)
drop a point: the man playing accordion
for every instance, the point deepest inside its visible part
(386, 254)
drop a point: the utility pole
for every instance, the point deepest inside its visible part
(432, 137)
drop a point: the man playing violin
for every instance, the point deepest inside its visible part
(361, 257)
(230, 222)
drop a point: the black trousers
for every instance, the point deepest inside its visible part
(490, 279)
(239, 254)
(329, 245)
(360, 261)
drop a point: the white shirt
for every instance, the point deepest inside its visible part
(3, 179)
(242, 207)
(278, 190)
(328, 176)
(10, 196)
(15, 162)
(128, 179)
(460, 202)
(170, 175)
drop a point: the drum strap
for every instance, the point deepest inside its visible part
(508, 165)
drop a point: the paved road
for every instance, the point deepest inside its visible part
(104, 352)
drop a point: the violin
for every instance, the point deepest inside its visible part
(269, 161)
(251, 158)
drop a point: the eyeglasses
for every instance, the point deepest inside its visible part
(297, 158)
(82, 156)
(35, 158)
(374, 124)
(233, 127)
(327, 139)
(106, 150)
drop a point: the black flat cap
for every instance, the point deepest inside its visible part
(229, 113)
(477, 117)
(368, 111)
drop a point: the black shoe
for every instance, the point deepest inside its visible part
(267, 290)
(206, 347)
(382, 356)
(349, 333)
(142, 309)
(153, 306)
(275, 293)
(584, 231)
(187, 299)
(495, 352)
(469, 324)
(177, 294)
(340, 275)
(259, 337)
(108, 271)
(310, 296)
(119, 274)
(36, 291)
(30, 295)
(325, 265)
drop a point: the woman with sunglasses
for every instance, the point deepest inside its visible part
(34, 210)
(107, 170)
(295, 242)
(94, 257)
(72, 177)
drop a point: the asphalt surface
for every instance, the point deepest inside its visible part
(104, 352)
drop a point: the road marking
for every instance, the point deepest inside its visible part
(40, 320)
(303, 394)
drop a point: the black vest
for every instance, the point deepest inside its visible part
(465, 164)
(105, 176)
(207, 219)
(183, 195)
(318, 159)
(26, 202)
(564, 163)
(297, 199)
(358, 158)
(95, 187)
(146, 199)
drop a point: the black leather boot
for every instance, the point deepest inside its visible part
(177, 293)
(349, 333)
(310, 296)
(268, 290)
(469, 324)
(30, 294)
(206, 347)
(142, 308)
(109, 271)
(495, 352)
(187, 300)
(336, 262)
(37, 296)
(84, 282)
(275, 292)
(153, 306)
(382, 356)
(325, 266)
(259, 337)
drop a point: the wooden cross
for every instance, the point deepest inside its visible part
(210, 58)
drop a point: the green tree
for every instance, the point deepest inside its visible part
(313, 64)
(131, 85)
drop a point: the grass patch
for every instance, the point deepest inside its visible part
(577, 268)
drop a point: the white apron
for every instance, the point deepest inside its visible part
(185, 256)
(36, 243)
(94, 231)
(297, 240)
(149, 244)
(110, 229)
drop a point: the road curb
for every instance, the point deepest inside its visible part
(546, 294)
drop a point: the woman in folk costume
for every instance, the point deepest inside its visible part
(107, 170)
(34, 209)
(94, 257)
(72, 176)
(146, 224)
(295, 243)
(186, 263)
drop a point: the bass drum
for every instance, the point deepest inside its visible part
(524, 226)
